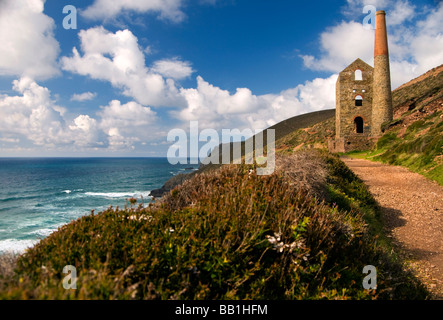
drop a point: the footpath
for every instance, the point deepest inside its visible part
(412, 210)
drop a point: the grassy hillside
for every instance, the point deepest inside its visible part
(282, 129)
(304, 232)
(420, 91)
(414, 141)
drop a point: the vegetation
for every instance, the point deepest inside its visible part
(316, 136)
(304, 232)
(415, 142)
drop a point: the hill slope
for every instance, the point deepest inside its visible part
(304, 232)
(282, 129)
(414, 139)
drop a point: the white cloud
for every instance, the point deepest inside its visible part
(127, 123)
(340, 45)
(85, 96)
(31, 114)
(117, 58)
(216, 108)
(34, 116)
(318, 94)
(173, 68)
(86, 133)
(104, 9)
(127, 116)
(28, 46)
(9, 140)
(402, 10)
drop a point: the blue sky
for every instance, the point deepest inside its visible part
(133, 70)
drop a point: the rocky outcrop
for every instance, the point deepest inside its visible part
(170, 184)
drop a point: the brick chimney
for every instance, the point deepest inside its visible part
(382, 96)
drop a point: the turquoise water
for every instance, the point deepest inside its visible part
(39, 195)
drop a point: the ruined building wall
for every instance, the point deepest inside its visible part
(347, 90)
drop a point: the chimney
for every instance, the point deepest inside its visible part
(382, 96)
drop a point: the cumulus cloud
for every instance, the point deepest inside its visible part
(127, 123)
(103, 9)
(173, 68)
(86, 133)
(28, 47)
(33, 115)
(341, 45)
(315, 95)
(414, 47)
(85, 96)
(126, 117)
(117, 58)
(216, 108)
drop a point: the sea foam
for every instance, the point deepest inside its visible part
(118, 194)
(16, 246)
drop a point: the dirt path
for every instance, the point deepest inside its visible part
(412, 209)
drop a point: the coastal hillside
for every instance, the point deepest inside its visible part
(282, 129)
(304, 232)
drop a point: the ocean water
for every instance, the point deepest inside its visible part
(39, 195)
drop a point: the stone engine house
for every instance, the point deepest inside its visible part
(354, 106)
(363, 97)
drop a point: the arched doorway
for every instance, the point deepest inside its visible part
(358, 124)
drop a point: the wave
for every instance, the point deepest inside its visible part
(135, 194)
(19, 198)
(67, 191)
(43, 232)
(16, 246)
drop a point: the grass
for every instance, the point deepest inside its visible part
(304, 232)
(419, 147)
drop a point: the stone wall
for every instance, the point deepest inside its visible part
(347, 88)
(350, 143)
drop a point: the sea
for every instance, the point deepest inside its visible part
(39, 195)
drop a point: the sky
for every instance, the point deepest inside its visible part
(111, 78)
